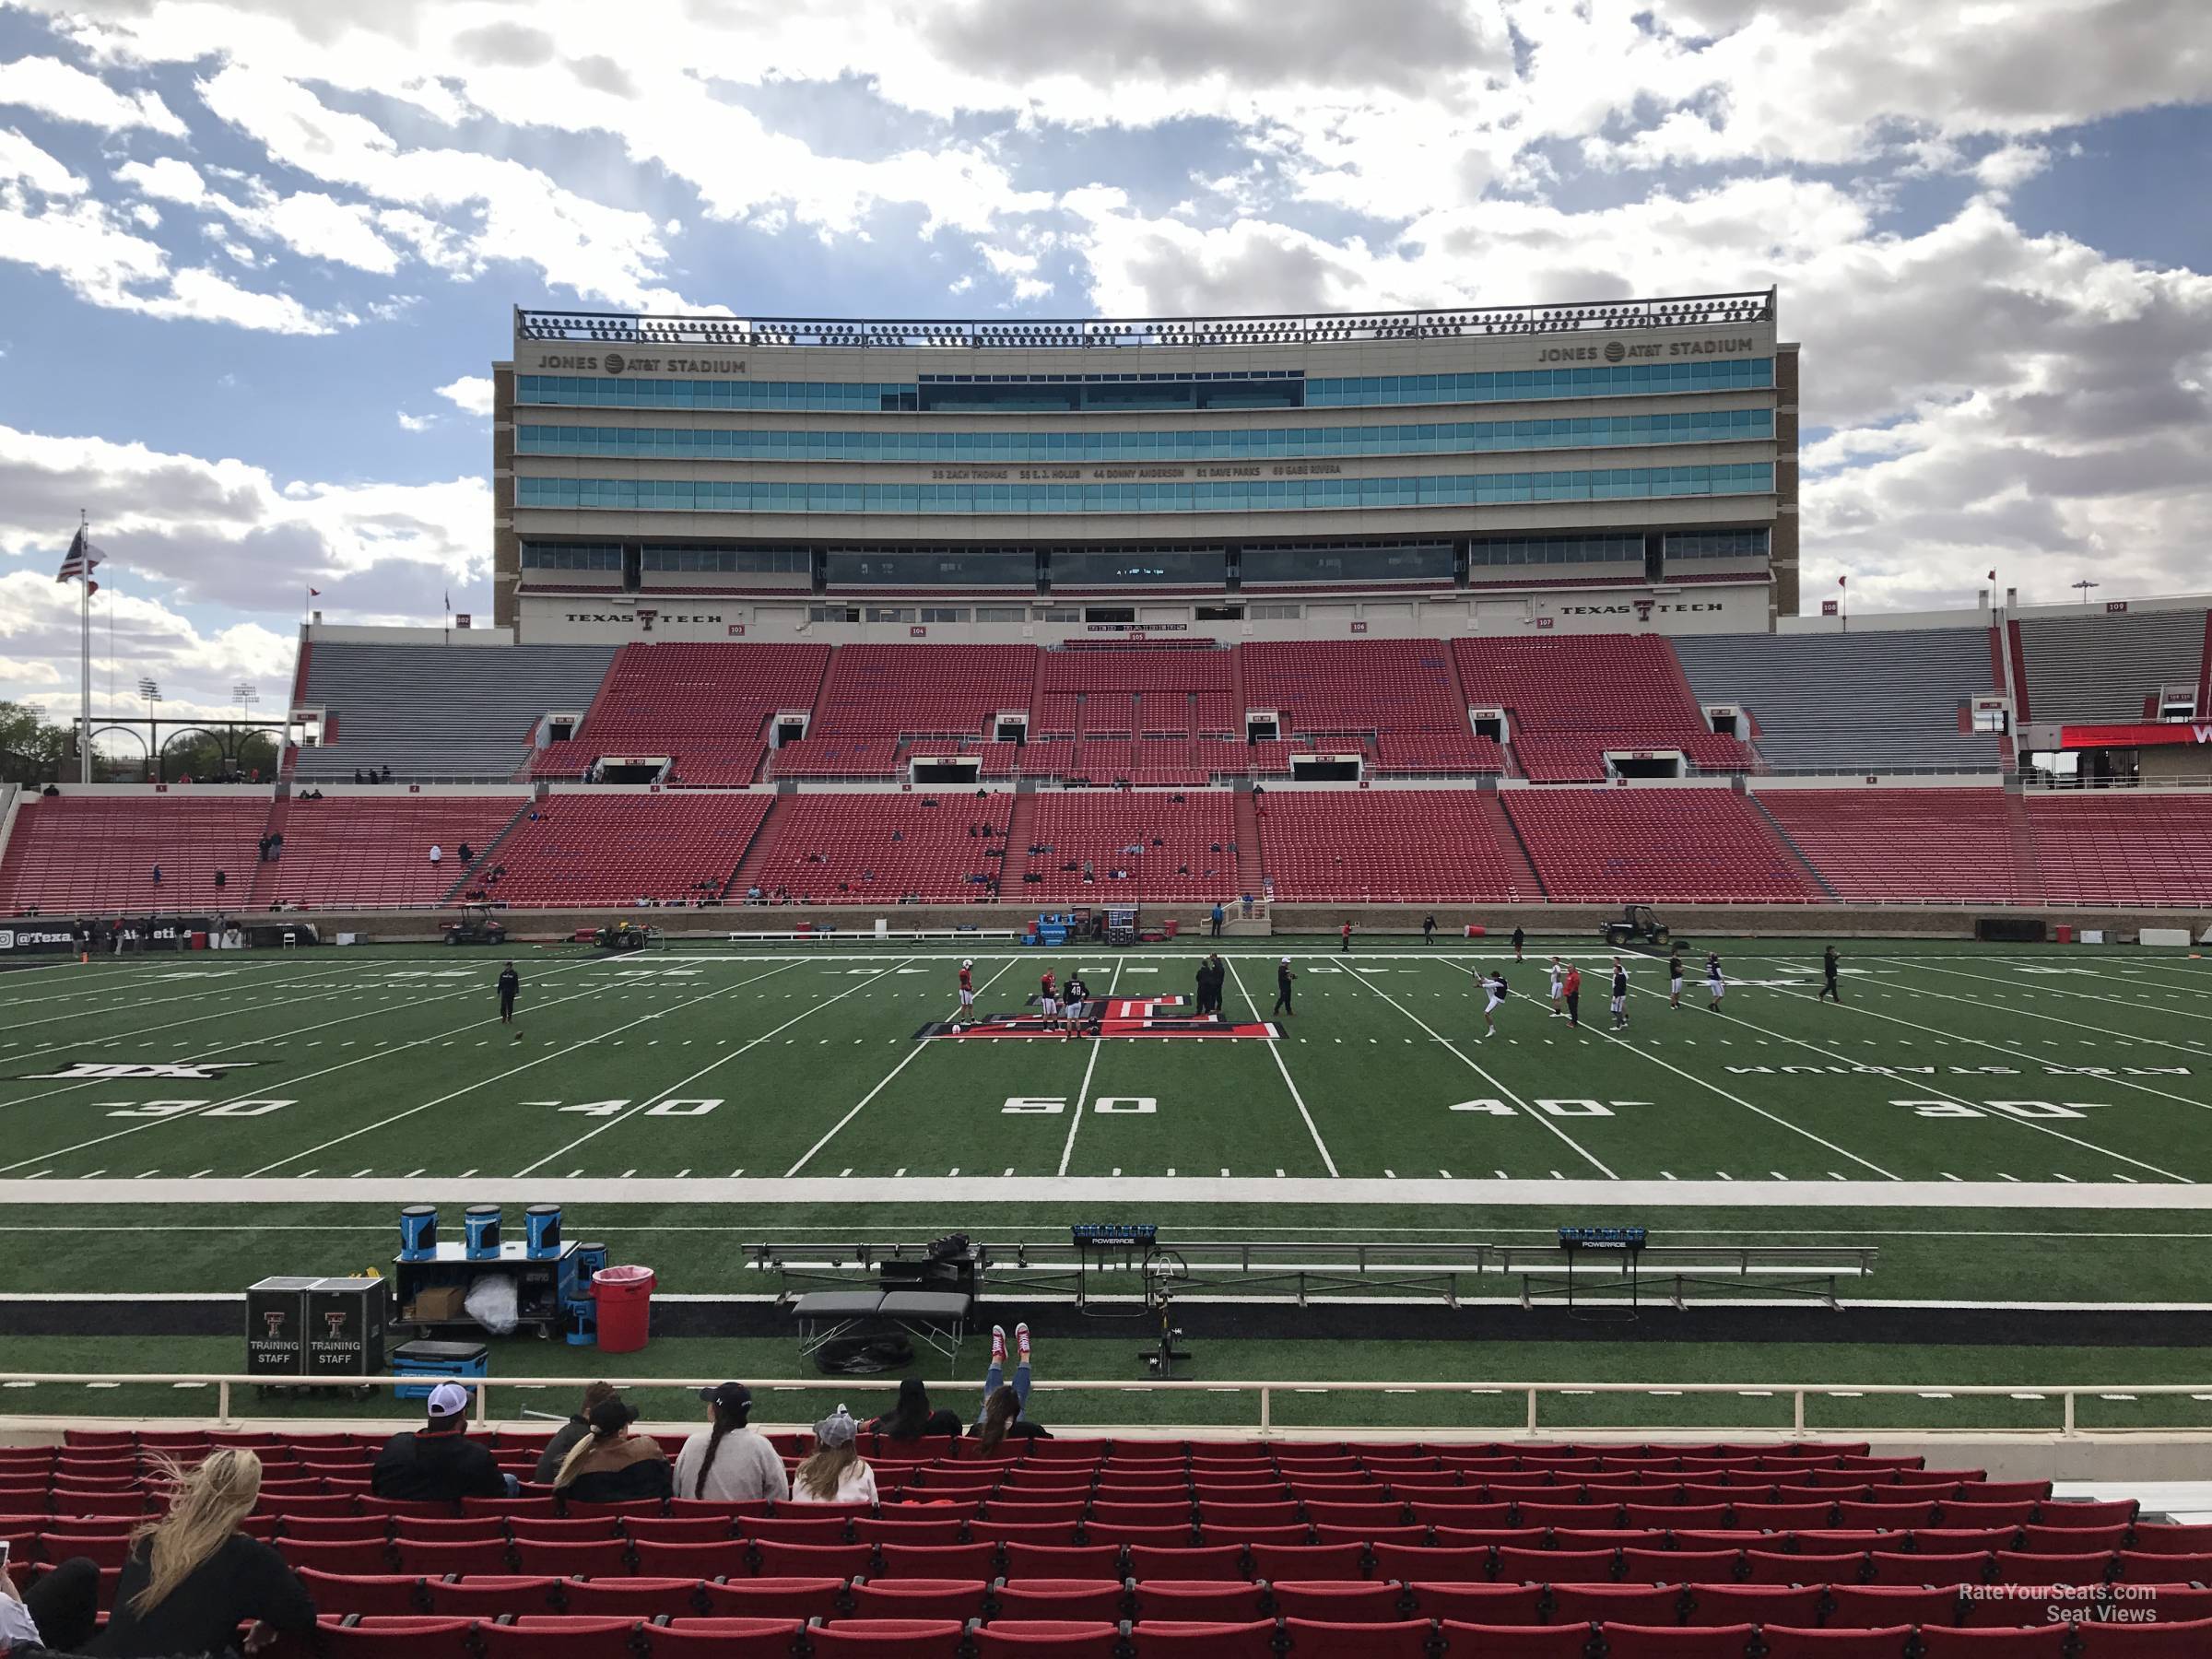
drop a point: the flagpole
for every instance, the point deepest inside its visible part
(85, 663)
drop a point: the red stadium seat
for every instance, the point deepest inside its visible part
(1244, 1640)
(1791, 1642)
(490, 1595)
(1218, 1600)
(918, 1598)
(1937, 1642)
(891, 1637)
(2100, 1638)
(554, 1636)
(1518, 1642)
(1062, 1599)
(1399, 1639)
(722, 1639)
(399, 1639)
(1048, 1639)
(386, 1595)
(1665, 1642)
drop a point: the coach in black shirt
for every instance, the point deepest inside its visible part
(438, 1462)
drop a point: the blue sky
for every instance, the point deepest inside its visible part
(256, 258)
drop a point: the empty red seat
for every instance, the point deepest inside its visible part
(1517, 1642)
(1048, 1639)
(1251, 1638)
(557, 1636)
(490, 1595)
(1792, 1641)
(399, 1638)
(903, 1638)
(722, 1639)
(1061, 1599)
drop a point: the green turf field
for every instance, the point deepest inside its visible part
(1948, 1077)
(2005, 1125)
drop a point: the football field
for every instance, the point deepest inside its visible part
(1950, 1076)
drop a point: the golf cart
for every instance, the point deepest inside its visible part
(1638, 925)
(622, 938)
(478, 925)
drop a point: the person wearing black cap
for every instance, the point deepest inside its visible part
(911, 1420)
(611, 1465)
(729, 1462)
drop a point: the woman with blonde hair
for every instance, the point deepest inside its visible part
(836, 1472)
(192, 1578)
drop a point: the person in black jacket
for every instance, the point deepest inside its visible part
(569, 1433)
(911, 1418)
(610, 1464)
(438, 1462)
(191, 1578)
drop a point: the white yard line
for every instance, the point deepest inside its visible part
(1275, 1048)
(156, 1002)
(511, 1070)
(1921, 1083)
(2043, 988)
(1544, 1197)
(1450, 1048)
(253, 1010)
(1074, 1120)
(381, 1053)
(710, 1066)
(907, 1060)
(2044, 1062)
(235, 978)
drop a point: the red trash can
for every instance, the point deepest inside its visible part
(624, 1298)
(1172, 926)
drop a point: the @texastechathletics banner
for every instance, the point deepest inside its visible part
(1109, 1016)
(2134, 736)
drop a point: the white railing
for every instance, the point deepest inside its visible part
(2067, 1395)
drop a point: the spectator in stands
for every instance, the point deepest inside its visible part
(466, 856)
(192, 1578)
(1004, 1402)
(437, 854)
(611, 1465)
(157, 874)
(836, 1472)
(730, 1463)
(569, 1433)
(438, 1462)
(911, 1418)
(387, 777)
(357, 775)
(61, 1612)
(221, 880)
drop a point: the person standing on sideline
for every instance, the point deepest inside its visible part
(1216, 971)
(968, 988)
(1346, 943)
(1520, 939)
(1716, 985)
(1573, 988)
(1048, 1000)
(510, 982)
(1495, 987)
(1559, 987)
(1620, 995)
(1283, 977)
(1827, 978)
(1429, 929)
(1216, 919)
(1674, 981)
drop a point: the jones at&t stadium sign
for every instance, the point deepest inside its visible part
(615, 362)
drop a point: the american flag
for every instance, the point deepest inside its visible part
(79, 562)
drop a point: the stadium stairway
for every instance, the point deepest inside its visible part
(1020, 832)
(1251, 862)
(1796, 851)
(1508, 837)
(2000, 671)
(484, 859)
(262, 891)
(2023, 846)
(755, 856)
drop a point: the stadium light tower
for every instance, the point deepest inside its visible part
(2083, 587)
(247, 695)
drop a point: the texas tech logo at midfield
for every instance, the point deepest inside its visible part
(1112, 1017)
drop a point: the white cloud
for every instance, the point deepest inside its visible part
(22, 159)
(308, 222)
(471, 392)
(417, 423)
(63, 92)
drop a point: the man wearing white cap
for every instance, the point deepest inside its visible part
(1283, 977)
(438, 1462)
